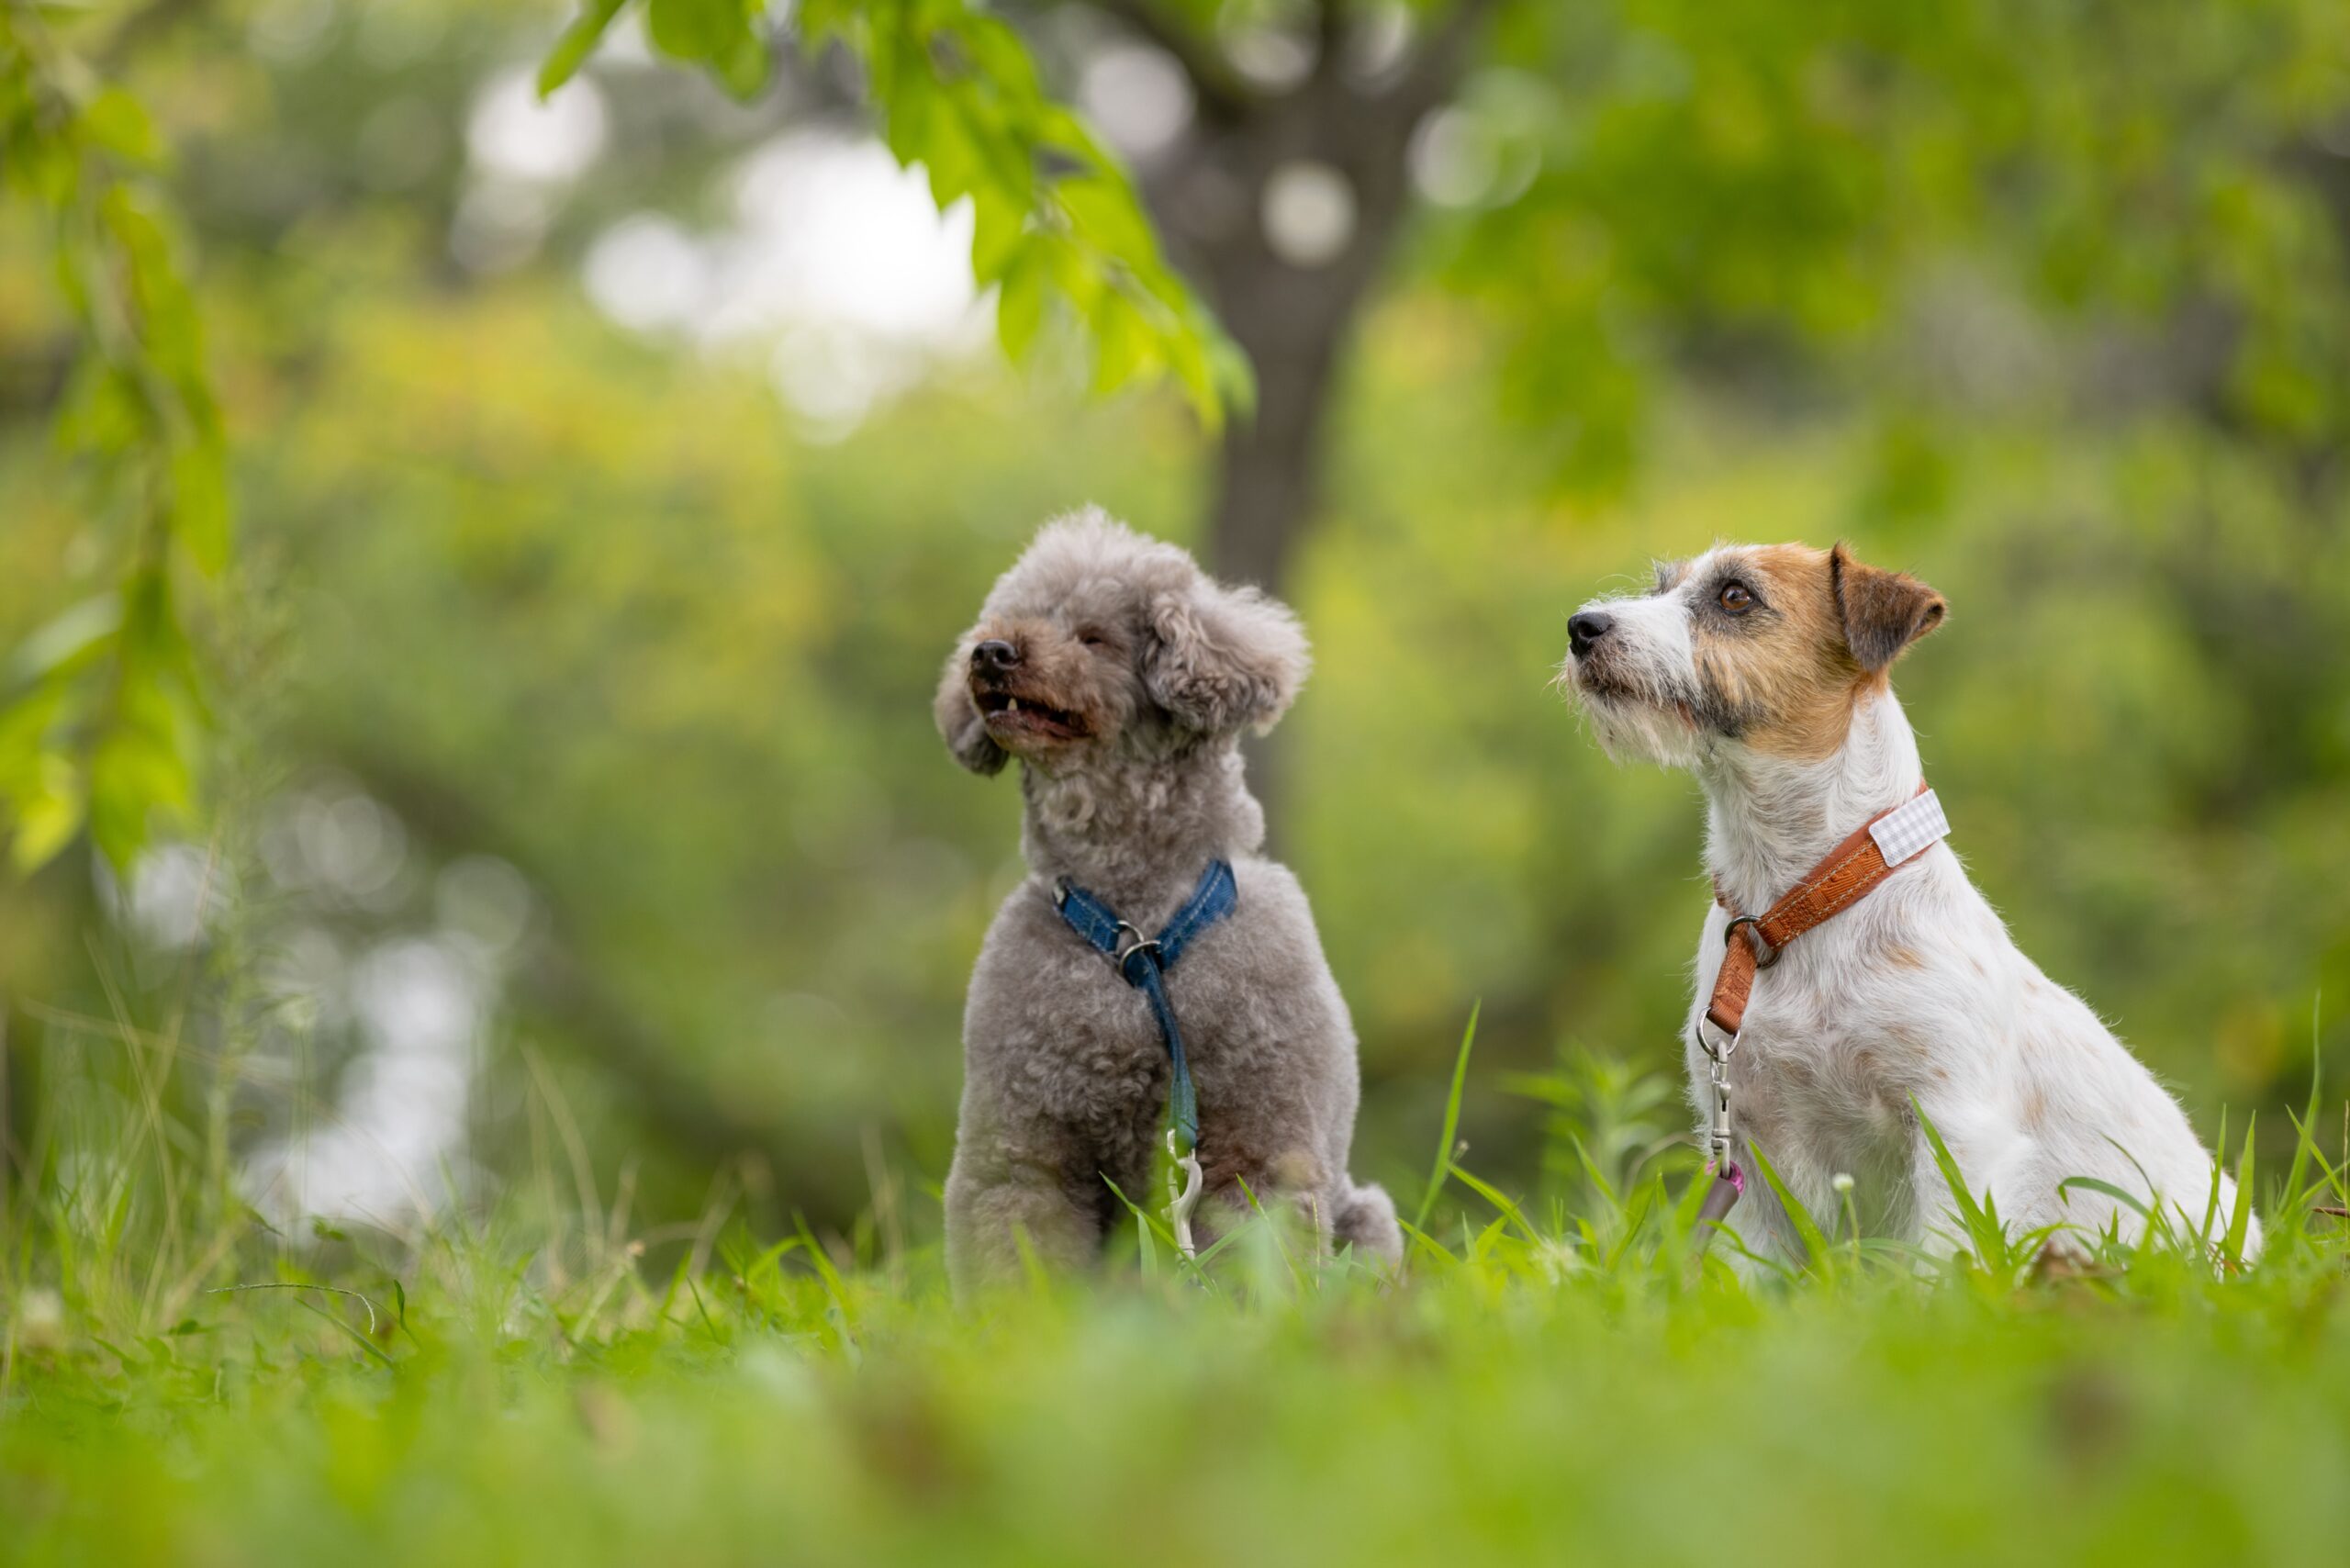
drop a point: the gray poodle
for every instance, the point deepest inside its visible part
(1122, 677)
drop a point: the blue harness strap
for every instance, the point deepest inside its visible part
(1143, 962)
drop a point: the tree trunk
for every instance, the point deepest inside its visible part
(1294, 316)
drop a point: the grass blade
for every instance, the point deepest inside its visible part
(1815, 1240)
(1451, 1121)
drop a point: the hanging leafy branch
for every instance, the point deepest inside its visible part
(101, 709)
(1055, 223)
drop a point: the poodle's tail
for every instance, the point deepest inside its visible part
(1366, 1221)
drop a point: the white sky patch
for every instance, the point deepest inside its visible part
(515, 136)
(835, 256)
(834, 229)
(524, 153)
(647, 274)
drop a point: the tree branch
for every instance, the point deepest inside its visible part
(1331, 19)
(1436, 66)
(1223, 94)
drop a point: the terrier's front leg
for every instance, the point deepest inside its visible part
(1990, 1152)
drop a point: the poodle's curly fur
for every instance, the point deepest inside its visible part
(1122, 678)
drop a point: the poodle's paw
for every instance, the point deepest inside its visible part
(1366, 1221)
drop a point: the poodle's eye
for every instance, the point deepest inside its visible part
(1092, 638)
(1736, 598)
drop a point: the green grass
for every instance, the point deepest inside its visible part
(1554, 1380)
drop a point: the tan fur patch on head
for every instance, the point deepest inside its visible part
(1788, 638)
(1784, 680)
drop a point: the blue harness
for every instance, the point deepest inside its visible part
(1143, 962)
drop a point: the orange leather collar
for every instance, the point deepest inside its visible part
(1848, 873)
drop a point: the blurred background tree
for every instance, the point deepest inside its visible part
(615, 468)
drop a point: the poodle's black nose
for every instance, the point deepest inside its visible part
(994, 653)
(1586, 627)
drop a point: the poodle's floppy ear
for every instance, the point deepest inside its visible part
(1223, 658)
(1884, 612)
(959, 721)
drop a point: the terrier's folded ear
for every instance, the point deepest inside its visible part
(961, 722)
(1222, 659)
(1884, 612)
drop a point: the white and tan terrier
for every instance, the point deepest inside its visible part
(1763, 671)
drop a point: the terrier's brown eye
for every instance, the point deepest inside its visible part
(1736, 600)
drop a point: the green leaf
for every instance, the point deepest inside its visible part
(1020, 302)
(116, 122)
(577, 43)
(744, 68)
(48, 818)
(200, 504)
(720, 35)
(998, 229)
(1122, 344)
(1106, 212)
(68, 638)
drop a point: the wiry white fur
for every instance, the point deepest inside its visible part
(1917, 991)
(1658, 657)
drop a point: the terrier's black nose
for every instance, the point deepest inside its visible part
(1586, 627)
(994, 653)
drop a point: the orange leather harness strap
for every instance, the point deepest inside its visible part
(1849, 872)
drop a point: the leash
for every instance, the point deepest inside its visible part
(1143, 962)
(1848, 873)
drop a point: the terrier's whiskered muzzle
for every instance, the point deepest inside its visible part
(1631, 666)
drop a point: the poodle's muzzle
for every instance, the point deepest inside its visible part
(1012, 703)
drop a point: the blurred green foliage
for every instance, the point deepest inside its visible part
(100, 703)
(2043, 303)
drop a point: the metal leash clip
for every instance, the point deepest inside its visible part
(1718, 1131)
(1717, 1140)
(1183, 1183)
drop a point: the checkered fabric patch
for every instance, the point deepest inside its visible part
(1908, 830)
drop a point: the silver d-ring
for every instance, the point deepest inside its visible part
(1130, 941)
(1764, 954)
(1729, 1041)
